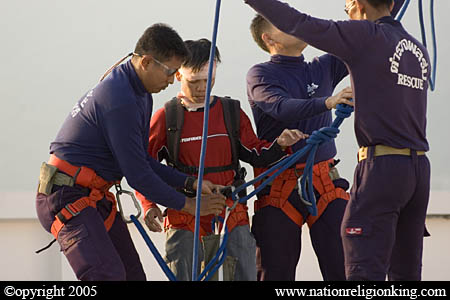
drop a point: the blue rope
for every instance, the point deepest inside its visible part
(432, 81)
(221, 261)
(221, 251)
(434, 40)
(153, 249)
(402, 11)
(317, 138)
(204, 142)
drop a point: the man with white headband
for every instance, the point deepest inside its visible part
(221, 165)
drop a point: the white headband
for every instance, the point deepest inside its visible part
(202, 74)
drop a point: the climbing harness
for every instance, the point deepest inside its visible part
(312, 144)
(87, 178)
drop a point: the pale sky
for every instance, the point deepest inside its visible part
(54, 51)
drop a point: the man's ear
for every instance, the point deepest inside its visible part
(146, 61)
(267, 39)
(361, 6)
(178, 75)
(392, 6)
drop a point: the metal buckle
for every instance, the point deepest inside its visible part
(237, 199)
(299, 191)
(362, 153)
(74, 214)
(120, 191)
(61, 216)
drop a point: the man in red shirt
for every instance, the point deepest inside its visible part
(219, 166)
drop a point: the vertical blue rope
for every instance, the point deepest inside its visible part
(212, 56)
(422, 24)
(402, 11)
(433, 38)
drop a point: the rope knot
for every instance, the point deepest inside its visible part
(322, 135)
(344, 111)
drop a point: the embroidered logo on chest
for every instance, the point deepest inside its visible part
(312, 89)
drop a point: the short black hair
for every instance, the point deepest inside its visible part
(378, 3)
(258, 26)
(161, 41)
(199, 52)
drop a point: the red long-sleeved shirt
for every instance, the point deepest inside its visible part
(258, 153)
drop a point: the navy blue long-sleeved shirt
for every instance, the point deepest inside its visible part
(389, 71)
(108, 131)
(288, 92)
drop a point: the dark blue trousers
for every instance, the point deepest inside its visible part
(93, 252)
(383, 226)
(278, 241)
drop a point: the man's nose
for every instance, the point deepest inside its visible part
(202, 86)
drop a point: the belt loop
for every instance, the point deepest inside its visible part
(415, 161)
(370, 153)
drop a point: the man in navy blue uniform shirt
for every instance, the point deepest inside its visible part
(383, 225)
(104, 139)
(288, 92)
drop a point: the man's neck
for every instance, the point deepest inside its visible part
(288, 52)
(134, 63)
(373, 15)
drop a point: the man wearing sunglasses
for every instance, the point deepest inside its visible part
(383, 225)
(104, 139)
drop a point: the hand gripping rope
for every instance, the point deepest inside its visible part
(317, 138)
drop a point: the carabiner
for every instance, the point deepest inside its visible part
(308, 203)
(119, 192)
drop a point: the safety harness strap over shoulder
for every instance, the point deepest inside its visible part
(232, 118)
(174, 123)
(174, 112)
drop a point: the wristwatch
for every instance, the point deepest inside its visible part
(189, 184)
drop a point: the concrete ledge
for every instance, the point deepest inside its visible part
(21, 205)
(445, 217)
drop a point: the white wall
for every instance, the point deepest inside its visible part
(22, 234)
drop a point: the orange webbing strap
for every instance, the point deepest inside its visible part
(281, 188)
(321, 177)
(182, 220)
(323, 202)
(284, 184)
(238, 216)
(325, 187)
(98, 189)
